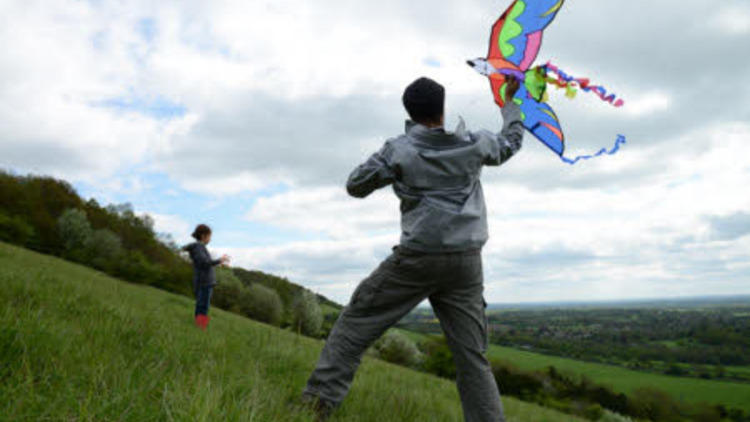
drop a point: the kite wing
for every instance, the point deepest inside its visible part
(517, 36)
(539, 119)
(497, 84)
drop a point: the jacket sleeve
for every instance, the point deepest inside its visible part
(202, 260)
(498, 148)
(373, 174)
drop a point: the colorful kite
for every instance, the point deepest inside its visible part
(514, 44)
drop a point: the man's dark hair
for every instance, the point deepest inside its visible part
(424, 100)
(200, 231)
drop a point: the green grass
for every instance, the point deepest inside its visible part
(78, 345)
(690, 390)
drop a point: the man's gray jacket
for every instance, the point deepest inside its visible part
(436, 175)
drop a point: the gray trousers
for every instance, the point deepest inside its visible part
(453, 282)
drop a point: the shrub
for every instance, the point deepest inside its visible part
(438, 358)
(74, 229)
(228, 292)
(227, 297)
(608, 416)
(103, 247)
(396, 348)
(262, 304)
(225, 276)
(593, 412)
(307, 317)
(15, 230)
(649, 403)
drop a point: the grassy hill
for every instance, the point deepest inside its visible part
(690, 390)
(78, 345)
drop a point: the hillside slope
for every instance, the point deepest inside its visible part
(78, 345)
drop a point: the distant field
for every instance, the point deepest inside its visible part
(624, 380)
(76, 345)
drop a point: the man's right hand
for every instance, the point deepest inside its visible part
(511, 87)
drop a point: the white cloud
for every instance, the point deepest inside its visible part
(328, 210)
(733, 20)
(171, 224)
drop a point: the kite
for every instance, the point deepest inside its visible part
(515, 41)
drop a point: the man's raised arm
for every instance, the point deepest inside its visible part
(501, 146)
(371, 175)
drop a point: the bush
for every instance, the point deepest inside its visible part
(15, 230)
(225, 276)
(608, 416)
(103, 247)
(649, 403)
(438, 358)
(396, 348)
(74, 229)
(228, 292)
(262, 304)
(593, 412)
(307, 317)
(227, 297)
(515, 382)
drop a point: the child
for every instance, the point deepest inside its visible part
(204, 278)
(435, 174)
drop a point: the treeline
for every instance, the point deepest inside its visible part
(711, 336)
(47, 215)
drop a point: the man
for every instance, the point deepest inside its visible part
(435, 174)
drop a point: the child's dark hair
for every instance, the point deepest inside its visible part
(424, 100)
(200, 231)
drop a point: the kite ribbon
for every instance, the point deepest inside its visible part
(620, 140)
(566, 81)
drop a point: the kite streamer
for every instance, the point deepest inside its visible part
(619, 141)
(515, 40)
(565, 81)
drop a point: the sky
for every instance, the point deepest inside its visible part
(249, 116)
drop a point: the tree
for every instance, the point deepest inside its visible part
(74, 229)
(307, 317)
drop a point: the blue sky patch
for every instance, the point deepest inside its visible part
(156, 107)
(146, 28)
(431, 62)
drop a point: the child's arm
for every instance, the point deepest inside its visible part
(202, 259)
(372, 175)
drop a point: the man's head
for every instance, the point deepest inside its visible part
(424, 100)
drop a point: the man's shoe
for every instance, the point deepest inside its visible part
(321, 407)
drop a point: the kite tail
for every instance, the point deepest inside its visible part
(569, 83)
(619, 141)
